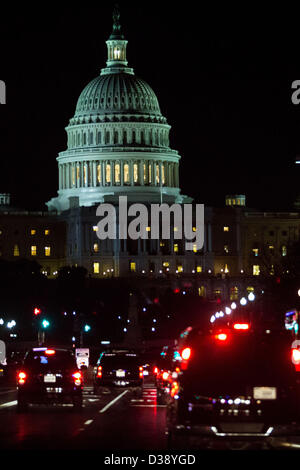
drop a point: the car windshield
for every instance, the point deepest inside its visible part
(39, 360)
(119, 362)
(240, 361)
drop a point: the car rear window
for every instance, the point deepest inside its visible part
(240, 361)
(39, 360)
(119, 362)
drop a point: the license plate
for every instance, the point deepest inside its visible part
(49, 378)
(120, 373)
(264, 393)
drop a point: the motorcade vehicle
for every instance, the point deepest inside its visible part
(237, 382)
(118, 368)
(47, 376)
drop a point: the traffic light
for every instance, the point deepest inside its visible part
(45, 323)
(37, 311)
(87, 328)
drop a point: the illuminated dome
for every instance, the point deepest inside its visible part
(118, 140)
(116, 93)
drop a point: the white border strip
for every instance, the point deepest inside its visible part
(112, 402)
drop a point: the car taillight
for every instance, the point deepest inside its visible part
(141, 372)
(99, 371)
(174, 389)
(22, 378)
(296, 356)
(155, 370)
(221, 336)
(186, 353)
(50, 352)
(77, 378)
(241, 326)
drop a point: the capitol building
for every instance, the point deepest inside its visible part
(118, 145)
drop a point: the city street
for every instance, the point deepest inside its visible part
(116, 417)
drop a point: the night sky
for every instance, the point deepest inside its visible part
(223, 83)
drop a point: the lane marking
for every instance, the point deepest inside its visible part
(149, 406)
(89, 421)
(289, 444)
(9, 403)
(112, 402)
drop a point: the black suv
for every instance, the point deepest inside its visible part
(235, 384)
(118, 369)
(49, 375)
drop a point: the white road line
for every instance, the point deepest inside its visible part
(89, 421)
(149, 406)
(9, 403)
(290, 444)
(112, 402)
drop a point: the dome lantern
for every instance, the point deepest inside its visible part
(116, 48)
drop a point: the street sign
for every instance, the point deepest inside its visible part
(82, 356)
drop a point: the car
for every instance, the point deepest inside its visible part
(118, 368)
(236, 383)
(49, 375)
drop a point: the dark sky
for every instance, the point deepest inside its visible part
(222, 81)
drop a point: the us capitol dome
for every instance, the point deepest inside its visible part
(118, 140)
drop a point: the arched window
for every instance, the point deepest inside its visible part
(117, 173)
(108, 173)
(126, 174)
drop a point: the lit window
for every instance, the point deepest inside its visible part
(175, 229)
(78, 172)
(132, 266)
(226, 269)
(150, 174)
(96, 247)
(166, 264)
(84, 174)
(33, 250)
(95, 228)
(126, 173)
(117, 173)
(47, 251)
(201, 291)
(145, 173)
(255, 251)
(199, 269)
(96, 268)
(157, 174)
(175, 247)
(47, 231)
(180, 268)
(148, 229)
(283, 250)
(195, 248)
(256, 270)
(226, 248)
(135, 173)
(163, 174)
(16, 250)
(117, 53)
(271, 247)
(99, 173)
(194, 229)
(161, 243)
(108, 173)
(226, 229)
(32, 231)
(73, 176)
(234, 293)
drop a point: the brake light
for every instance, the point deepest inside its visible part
(221, 336)
(186, 353)
(241, 326)
(99, 371)
(21, 378)
(155, 370)
(141, 372)
(174, 389)
(50, 352)
(296, 356)
(77, 378)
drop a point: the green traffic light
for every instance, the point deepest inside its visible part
(45, 323)
(87, 328)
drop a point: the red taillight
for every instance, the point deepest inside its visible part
(21, 378)
(141, 372)
(221, 336)
(77, 378)
(155, 370)
(296, 356)
(99, 371)
(50, 352)
(241, 326)
(186, 353)
(174, 389)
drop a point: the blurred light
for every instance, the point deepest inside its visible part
(251, 296)
(241, 326)
(153, 329)
(186, 353)
(227, 310)
(50, 352)
(243, 301)
(154, 320)
(221, 336)
(295, 356)
(87, 328)
(1, 321)
(45, 323)
(144, 309)
(212, 319)
(233, 306)
(124, 329)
